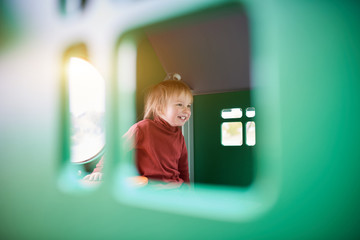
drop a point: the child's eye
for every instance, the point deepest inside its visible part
(179, 104)
(189, 106)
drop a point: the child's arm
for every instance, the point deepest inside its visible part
(97, 174)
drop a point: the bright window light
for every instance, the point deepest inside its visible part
(250, 133)
(231, 113)
(250, 112)
(87, 108)
(231, 134)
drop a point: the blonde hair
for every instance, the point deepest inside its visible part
(160, 94)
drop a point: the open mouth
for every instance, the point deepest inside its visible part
(182, 117)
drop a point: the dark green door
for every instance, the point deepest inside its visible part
(214, 162)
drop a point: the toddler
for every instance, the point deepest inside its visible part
(161, 153)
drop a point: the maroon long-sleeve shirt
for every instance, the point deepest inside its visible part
(161, 153)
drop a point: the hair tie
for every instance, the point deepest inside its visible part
(173, 76)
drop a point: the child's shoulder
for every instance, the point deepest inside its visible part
(144, 123)
(138, 128)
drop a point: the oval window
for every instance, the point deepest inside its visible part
(87, 109)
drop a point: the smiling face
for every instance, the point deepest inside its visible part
(177, 111)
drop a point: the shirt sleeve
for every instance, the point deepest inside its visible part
(183, 164)
(99, 166)
(129, 138)
(132, 136)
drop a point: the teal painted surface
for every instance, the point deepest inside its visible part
(305, 59)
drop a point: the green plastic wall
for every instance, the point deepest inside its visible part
(305, 60)
(149, 72)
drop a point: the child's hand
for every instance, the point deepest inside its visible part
(95, 176)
